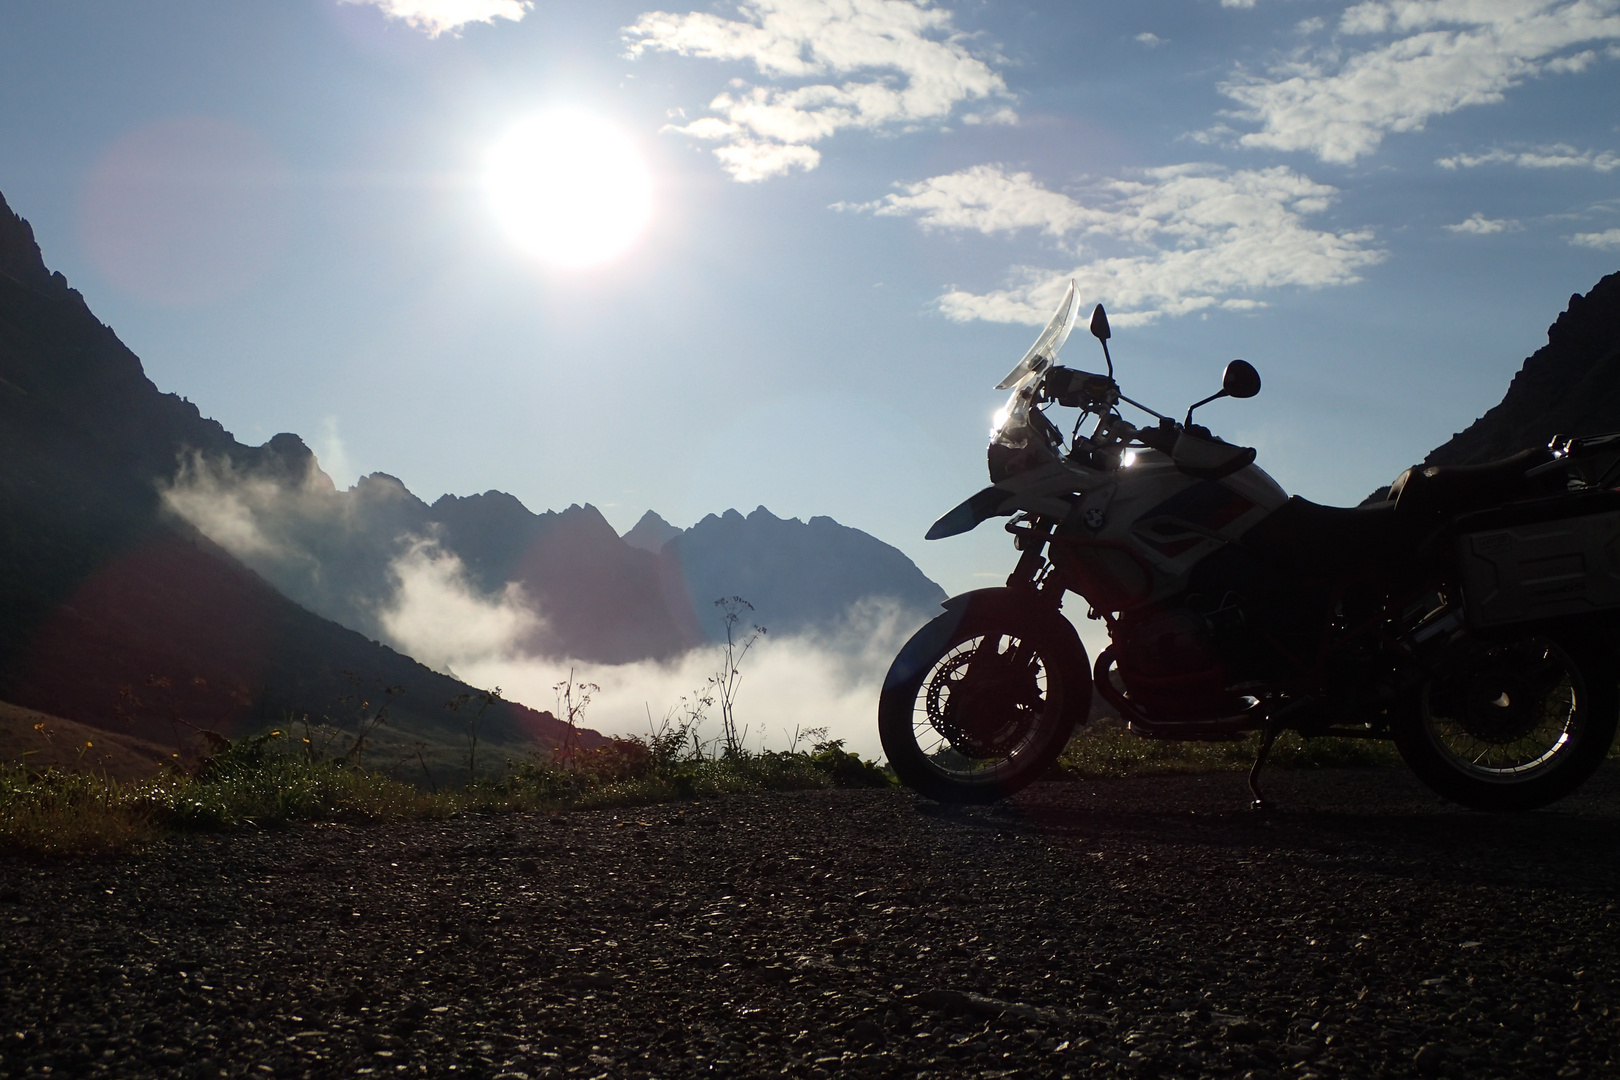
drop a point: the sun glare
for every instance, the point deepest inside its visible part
(569, 189)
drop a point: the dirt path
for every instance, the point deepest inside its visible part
(1144, 927)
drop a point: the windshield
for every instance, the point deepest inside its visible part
(1019, 425)
(1043, 354)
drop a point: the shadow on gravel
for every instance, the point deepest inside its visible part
(1373, 820)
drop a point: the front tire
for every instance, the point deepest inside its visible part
(1511, 723)
(982, 700)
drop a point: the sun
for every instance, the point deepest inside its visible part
(569, 188)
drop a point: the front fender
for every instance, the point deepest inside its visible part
(966, 515)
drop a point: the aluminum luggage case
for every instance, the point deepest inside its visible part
(1541, 570)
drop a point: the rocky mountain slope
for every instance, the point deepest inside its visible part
(116, 611)
(1570, 386)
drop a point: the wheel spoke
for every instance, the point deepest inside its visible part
(1506, 711)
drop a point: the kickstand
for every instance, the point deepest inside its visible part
(1260, 802)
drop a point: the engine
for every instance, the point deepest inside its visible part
(1172, 664)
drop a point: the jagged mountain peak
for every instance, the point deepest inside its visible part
(286, 459)
(796, 574)
(588, 520)
(651, 533)
(499, 500)
(380, 488)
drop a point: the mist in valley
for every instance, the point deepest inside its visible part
(369, 558)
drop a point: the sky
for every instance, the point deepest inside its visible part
(800, 240)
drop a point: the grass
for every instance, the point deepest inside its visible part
(55, 812)
(1107, 750)
(268, 781)
(271, 780)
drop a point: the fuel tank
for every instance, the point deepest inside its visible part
(1136, 537)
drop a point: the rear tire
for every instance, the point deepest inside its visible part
(1512, 723)
(983, 699)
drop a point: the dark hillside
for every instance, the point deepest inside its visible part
(102, 591)
(1571, 386)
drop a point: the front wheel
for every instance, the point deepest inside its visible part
(1512, 723)
(982, 700)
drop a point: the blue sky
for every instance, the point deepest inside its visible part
(861, 211)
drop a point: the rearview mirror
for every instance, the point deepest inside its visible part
(1099, 323)
(1240, 380)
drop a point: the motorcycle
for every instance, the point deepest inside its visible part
(1472, 615)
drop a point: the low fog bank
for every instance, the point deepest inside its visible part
(790, 683)
(793, 684)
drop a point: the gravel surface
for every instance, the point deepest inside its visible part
(1149, 927)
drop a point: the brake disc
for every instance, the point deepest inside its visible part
(982, 701)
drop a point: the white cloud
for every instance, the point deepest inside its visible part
(257, 518)
(987, 199)
(436, 616)
(1608, 238)
(448, 16)
(1151, 40)
(1553, 156)
(751, 160)
(1443, 55)
(1480, 225)
(909, 67)
(1188, 237)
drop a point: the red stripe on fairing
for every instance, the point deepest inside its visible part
(1209, 503)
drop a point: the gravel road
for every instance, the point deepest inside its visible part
(1147, 927)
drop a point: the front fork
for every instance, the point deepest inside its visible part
(1030, 536)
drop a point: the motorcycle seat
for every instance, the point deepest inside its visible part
(1446, 490)
(1313, 540)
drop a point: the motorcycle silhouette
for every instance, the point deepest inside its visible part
(1472, 616)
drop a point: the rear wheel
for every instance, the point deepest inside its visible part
(992, 697)
(1512, 723)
